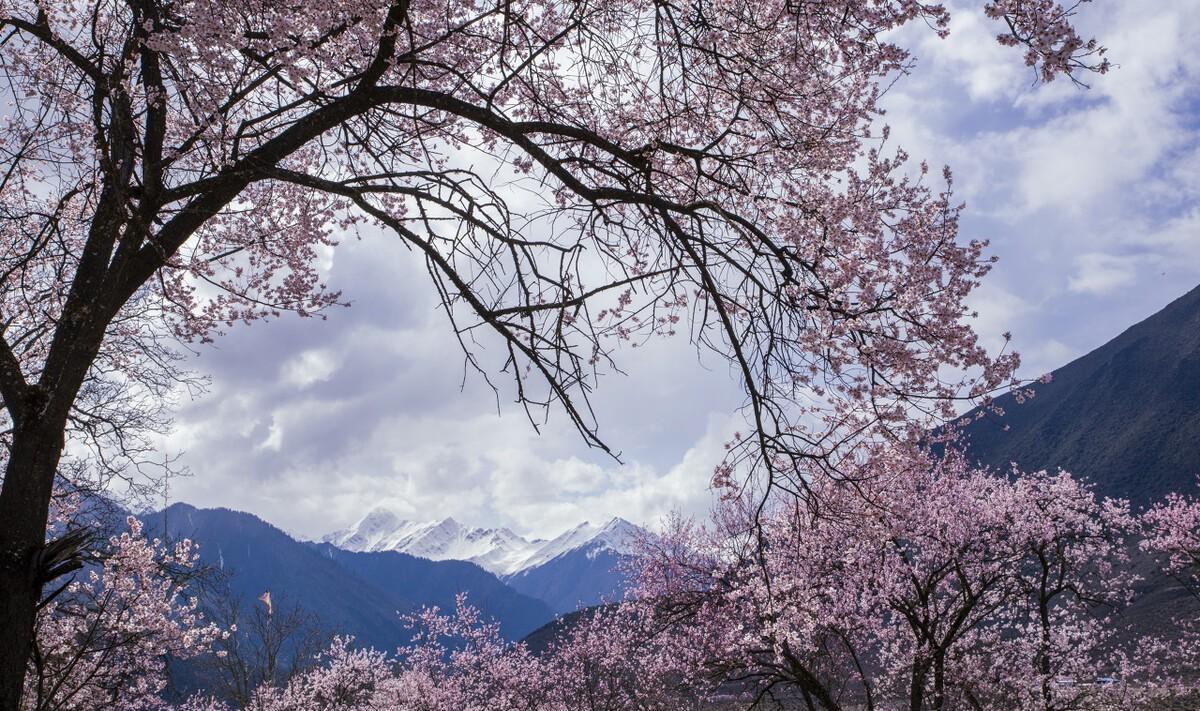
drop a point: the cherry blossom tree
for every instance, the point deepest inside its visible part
(102, 639)
(1052, 47)
(1172, 536)
(921, 584)
(1073, 579)
(1173, 533)
(171, 169)
(613, 659)
(460, 661)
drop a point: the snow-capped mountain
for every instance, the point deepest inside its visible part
(617, 536)
(497, 550)
(580, 568)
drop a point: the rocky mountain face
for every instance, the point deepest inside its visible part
(1125, 416)
(580, 568)
(582, 577)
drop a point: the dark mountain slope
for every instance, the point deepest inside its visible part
(426, 583)
(363, 594)
(557, 630)
(1125, 416)
(259, 557)
(580, 578)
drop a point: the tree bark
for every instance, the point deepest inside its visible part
(916, 689)
(24, 509)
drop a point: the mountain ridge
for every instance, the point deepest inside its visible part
(1124, 416)
(498, 550)
(364, 595)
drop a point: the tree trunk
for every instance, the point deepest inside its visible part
(1043, 656)
(24, 508)
(18, 598)
(939, 681)
(916, 688)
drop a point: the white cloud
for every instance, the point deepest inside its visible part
(483, 470)
(274, 438)
(309, 367)
(1177, 241)
(999, 311)
(984, 68)
(1102, 273)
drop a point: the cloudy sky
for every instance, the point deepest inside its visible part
(1091, 199)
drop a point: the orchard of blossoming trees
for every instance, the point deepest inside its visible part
(173, 168)
(925, 585)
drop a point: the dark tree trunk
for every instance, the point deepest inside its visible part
(916, 689)
(17, 601)
(24, 507)
(939, 682)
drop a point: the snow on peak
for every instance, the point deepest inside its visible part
(378, 519)
(497, 550)
(618, 536)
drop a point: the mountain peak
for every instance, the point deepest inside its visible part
(619, 532)
(498, 550)
(616, 522)
(379, 515)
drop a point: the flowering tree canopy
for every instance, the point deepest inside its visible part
(1172, 536)
(171, 168)
(950, 588)
(102, 639)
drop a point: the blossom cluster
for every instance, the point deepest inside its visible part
(103, 638)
